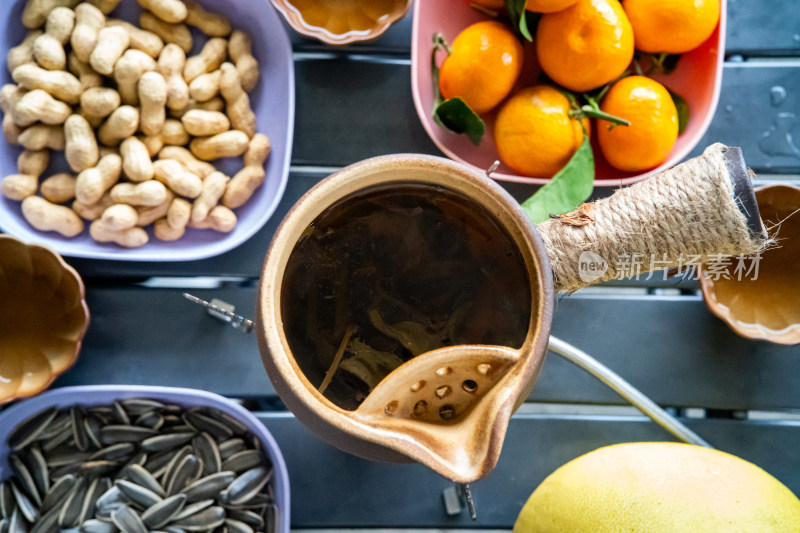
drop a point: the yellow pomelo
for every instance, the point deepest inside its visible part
(659, 487)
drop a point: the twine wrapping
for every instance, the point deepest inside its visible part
(688, 211)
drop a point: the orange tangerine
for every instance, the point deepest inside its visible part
(534, 132)
(483, 67)
(654, 124)
(672, 26)
(585, 45)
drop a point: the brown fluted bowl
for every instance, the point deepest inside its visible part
(762, 301)
(340, 22)
(43, 317)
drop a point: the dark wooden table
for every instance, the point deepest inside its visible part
(355, 102)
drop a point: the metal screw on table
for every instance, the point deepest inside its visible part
(224, 311)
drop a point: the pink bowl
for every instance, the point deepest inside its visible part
(697, 79)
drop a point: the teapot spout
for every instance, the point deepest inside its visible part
(448, 409)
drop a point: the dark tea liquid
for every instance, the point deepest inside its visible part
(393, 272)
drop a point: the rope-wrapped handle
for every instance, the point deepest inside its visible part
(703, 208)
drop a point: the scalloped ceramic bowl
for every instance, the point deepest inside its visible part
(697, 79)
(273, 103)
(764, 303)
(43, 317)
(340, 22)
(102, 394)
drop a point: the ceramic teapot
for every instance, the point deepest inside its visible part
(447, 405)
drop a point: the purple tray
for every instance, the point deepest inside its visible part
(272, 100)
(99, 394)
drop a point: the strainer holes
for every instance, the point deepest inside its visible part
(447, 412)
(444, 371)
(390, 408)
(469, 386)
(420, 407)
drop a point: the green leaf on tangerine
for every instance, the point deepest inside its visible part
(683, 110)
(455, 115)
(568, 189)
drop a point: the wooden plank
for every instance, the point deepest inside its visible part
(157, 337)
(333, 489)
(763, 27)
(671, 348)
(758, 110)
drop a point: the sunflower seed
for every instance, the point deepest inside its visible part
(50, 444)
(71, 510)
(25, 479)
(59, 425)
(238, 427)
(206, 519)
(30, 429)
(178, 428)
(193, 508)
(208, 486)
(103, 412)
(125, 433)
(187, 471)
(4, 522)
(252, 519)
(16, 523)
(37, 466)
(150, 419)
(6, 500)
(206, 449)
(48, 523)
(115, 452)
(161, 513)
(58, 492)
(119, 414)
(138, 406)
(248, 485)
(164, 442)
(109, 501)
(170, 467)
(78, 430)
(96, 488)
(98, 526)
(173, 529)
(271, 517)
(234, 526)
(139, 459)
(97, 468)
(244, 460)
(65, 457)
(92, 424)
(230, 447)
(138, 494)
(139, 475)
(127, 520)
(201, 422)
(24, 504)
(157, 461)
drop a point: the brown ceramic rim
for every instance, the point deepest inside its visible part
(750, 331)
(82, 292)
(296, 21)
(289, 381)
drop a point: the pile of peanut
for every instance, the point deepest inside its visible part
(124, 103)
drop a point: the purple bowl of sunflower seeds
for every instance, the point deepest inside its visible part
(134, 459)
